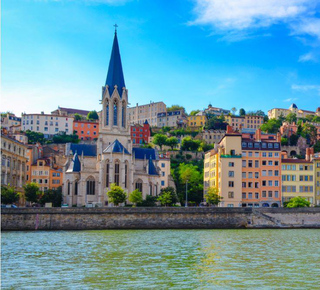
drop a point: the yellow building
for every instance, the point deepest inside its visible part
(222, 169)
(245, 122)
(298, 179)
(198, 120)
(277, 112)
(316, 165)
(13, 162)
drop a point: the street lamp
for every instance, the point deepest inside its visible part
(186, 204)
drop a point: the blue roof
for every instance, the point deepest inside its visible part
(75, 165)
(141, 153)
(116, 147)
(115, 73)
(152, 169)
(86, 149)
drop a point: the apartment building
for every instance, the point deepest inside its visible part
(172, 119)
(10, 121)
(164, 164)
(70, 112)
(277, 112)
(316, 165)
(198, 120)
(246, 122)
(216, 111)
(212, 136)
(149, 112)
(140, 134)
(222, 170)
(13, 162)
(86, 130)
(261, 178)
(47, 124)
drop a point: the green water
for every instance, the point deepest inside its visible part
(162, 259)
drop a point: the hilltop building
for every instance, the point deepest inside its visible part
(172, 119)
(91, 169)
(277, 112)
(70, 112)
(10, 122)
(216, 111)
(149, 112)
(140, 134)
(86, 130)
(246, 122)
(198, 120)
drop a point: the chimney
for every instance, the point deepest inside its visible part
(258, 135)
(229, 129)
(278, 137)
(308, 154)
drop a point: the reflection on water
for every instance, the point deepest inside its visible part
(159, 259)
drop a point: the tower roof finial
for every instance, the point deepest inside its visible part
(115, 27)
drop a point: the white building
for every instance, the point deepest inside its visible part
(149, 112)
(47, 124)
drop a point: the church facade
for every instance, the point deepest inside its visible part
(91, 169)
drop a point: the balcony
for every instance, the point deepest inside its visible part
(230, 156)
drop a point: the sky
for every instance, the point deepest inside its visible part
(248, 54)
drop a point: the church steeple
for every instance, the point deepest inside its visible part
(115, 73)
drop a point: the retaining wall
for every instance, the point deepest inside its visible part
(157, 218)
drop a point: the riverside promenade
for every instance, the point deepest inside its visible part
(21, 219)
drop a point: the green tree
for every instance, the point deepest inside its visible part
(93, 115)
(212, 196)
(188, 144)
(191, 174)
(135, 197)
(175, 108)
(34, 137)
(116, 194)
(309, 132)
(165, 198)
(172, 142)
(53, 196)
(64, 138)
(9, 195)
(284, 141)
(317, 147)
(272, 126)
(242, 112)
(291, 118)
(194, 112)
(149, 201)
(77, 117)
(316, 119)
(293, 139)
(160, 140)
(215, 123)
(31, 192)
(309, 118)
(206, 147)
(298, 201)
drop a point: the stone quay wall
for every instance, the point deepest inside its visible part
(18, 219)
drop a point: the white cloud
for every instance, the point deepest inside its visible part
(289, 100)
(308, 57)
(305, 88)
(242, 16)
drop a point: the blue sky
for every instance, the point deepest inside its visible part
(234, 53)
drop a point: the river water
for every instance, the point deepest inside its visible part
(161, 259)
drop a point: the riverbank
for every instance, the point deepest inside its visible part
(21, 219)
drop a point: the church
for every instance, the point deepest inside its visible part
(92, 168)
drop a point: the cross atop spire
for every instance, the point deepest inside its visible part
(115, 27)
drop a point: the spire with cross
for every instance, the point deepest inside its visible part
(115, 27)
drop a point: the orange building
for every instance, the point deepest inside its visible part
(261, 177)
(86, 130)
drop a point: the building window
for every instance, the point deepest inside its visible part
(231, 184)
(69, 188)
(76, 188)
(126, 176)
(91, 187)
(115, 113)
(230, 194)
(231, 164)
(117, 173)
(123, 114)
(107, 114)
(107, 174)
(139, 186)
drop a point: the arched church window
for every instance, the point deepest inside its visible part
(107, 174)
(76, 188)
(139, 185)
(117, 173)
(69, 187)
(115, 113)
(91, 186)
(107, 114)
(150, 188)
(126, 175)
(123, 114)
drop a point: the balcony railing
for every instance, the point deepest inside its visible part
(230, 156)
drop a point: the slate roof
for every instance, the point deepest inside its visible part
(75, 165)
(141, 153)
(86, 149)
(116, 147)
(152, 169)
(115, 73)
